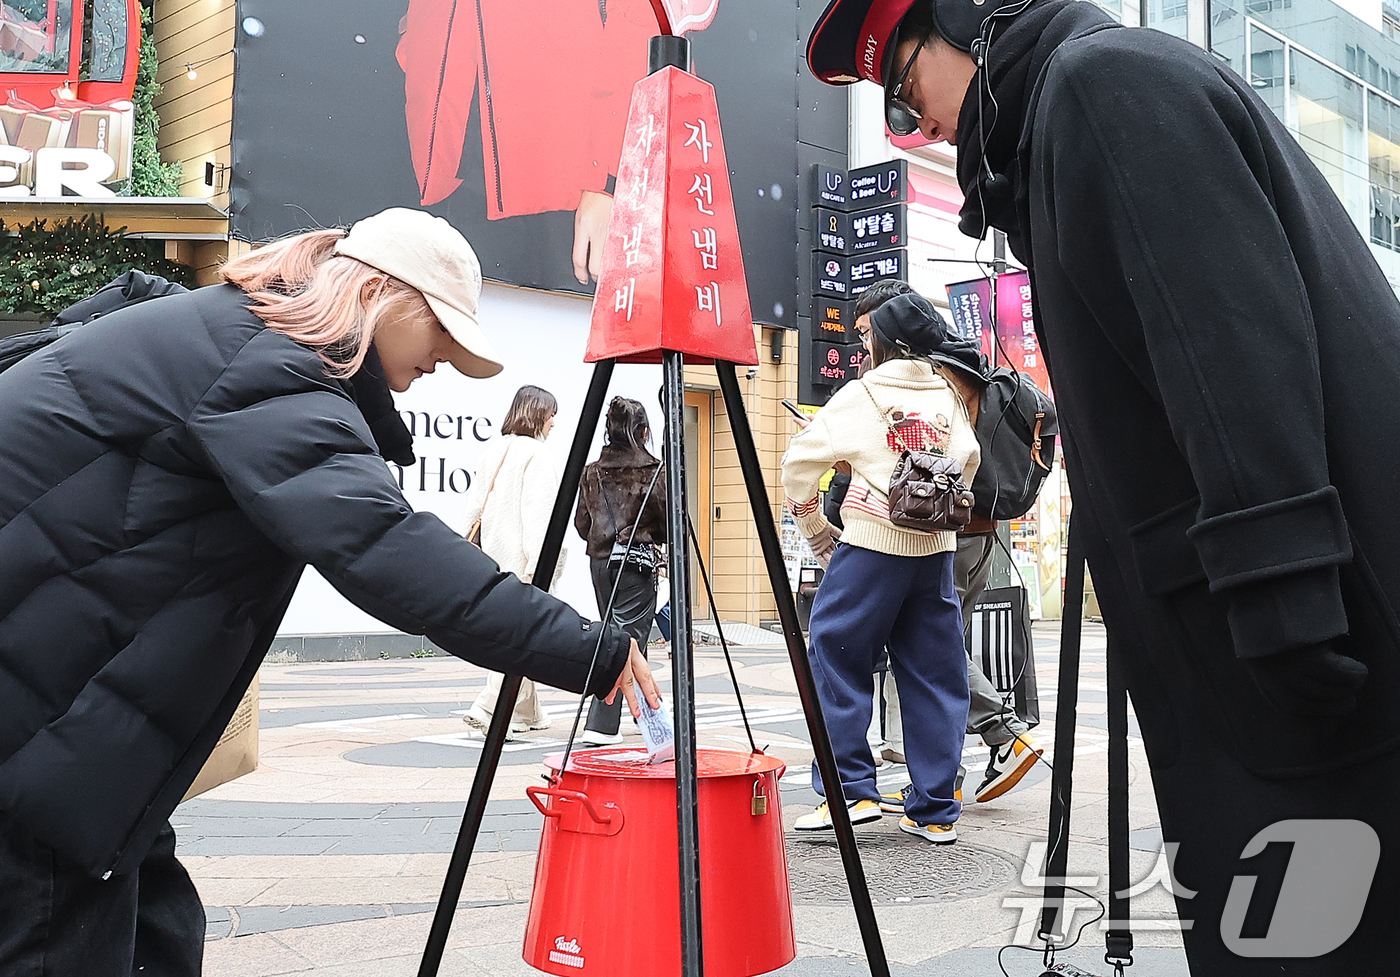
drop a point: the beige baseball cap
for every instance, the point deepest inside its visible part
(431, 255)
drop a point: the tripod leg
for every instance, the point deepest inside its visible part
(510, 688)
(802, 668)
(682, 668)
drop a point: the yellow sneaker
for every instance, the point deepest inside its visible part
(820, 819)
(939, 834)
(894, 803)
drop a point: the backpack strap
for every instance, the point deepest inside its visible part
(1035, 441)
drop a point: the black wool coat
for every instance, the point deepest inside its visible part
(166, 472)
(1223, 349)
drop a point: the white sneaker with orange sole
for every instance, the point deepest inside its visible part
(1010, 762)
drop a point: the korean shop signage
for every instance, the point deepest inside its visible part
(864, 271)
(881, 184)
(833, 364)
(876, 229)
(833, 320)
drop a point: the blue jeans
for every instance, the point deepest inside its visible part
(868, 601)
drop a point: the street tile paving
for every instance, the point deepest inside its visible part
(329, 859)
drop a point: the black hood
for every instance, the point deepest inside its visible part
(376, 403)
(1015, 62)
(964, 355)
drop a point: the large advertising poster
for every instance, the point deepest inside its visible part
(504, 117)
(1014, 342)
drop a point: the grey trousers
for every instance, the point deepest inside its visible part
(988, 715)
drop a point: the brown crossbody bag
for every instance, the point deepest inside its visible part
(927, 492)
(474, 533)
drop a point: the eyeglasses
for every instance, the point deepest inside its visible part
(900, 116)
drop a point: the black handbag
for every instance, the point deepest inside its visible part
(640, 557)
(927, 491)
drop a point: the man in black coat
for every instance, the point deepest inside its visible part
(166, 473)
(1221, 343)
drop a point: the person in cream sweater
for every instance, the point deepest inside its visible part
(887, 586)
(509, 504)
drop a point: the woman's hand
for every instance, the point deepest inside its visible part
(638, 671)
(824, 544)
(801, 422)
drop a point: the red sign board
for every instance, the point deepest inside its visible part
(673, 272)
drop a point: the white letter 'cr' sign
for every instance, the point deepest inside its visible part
(1323, 894)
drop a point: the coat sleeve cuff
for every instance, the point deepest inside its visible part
(1287, 612)
(1277, 539)
(808, 515)
(613, 659)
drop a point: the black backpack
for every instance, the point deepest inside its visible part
(126, 289)
(1016, 429)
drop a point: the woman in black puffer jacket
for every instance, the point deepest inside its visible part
(168, 472)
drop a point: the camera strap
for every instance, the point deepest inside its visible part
(1119, 939)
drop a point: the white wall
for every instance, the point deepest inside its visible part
(541, 338)
(1367, 11)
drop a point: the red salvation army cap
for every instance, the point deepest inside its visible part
(851, 37)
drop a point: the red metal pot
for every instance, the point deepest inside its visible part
(607, 885)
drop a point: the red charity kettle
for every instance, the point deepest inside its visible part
(606, 899)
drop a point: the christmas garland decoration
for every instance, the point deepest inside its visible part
(46, 268)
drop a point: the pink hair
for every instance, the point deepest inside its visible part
(307, 292)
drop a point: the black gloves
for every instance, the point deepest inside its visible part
(1310, 682)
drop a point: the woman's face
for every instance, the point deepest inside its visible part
(548, 426)
(410, 343)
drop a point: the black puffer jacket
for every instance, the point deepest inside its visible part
(168, 471)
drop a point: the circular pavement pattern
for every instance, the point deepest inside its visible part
(357, 672)
(899, 869)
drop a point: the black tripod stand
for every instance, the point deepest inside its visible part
(682, 668)
(672, 51)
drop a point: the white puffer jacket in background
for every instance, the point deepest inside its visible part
(516, 515)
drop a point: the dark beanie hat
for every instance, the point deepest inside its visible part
(910, 322)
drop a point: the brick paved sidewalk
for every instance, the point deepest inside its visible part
(329, 859)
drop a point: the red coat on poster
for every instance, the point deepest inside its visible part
(552, 83)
